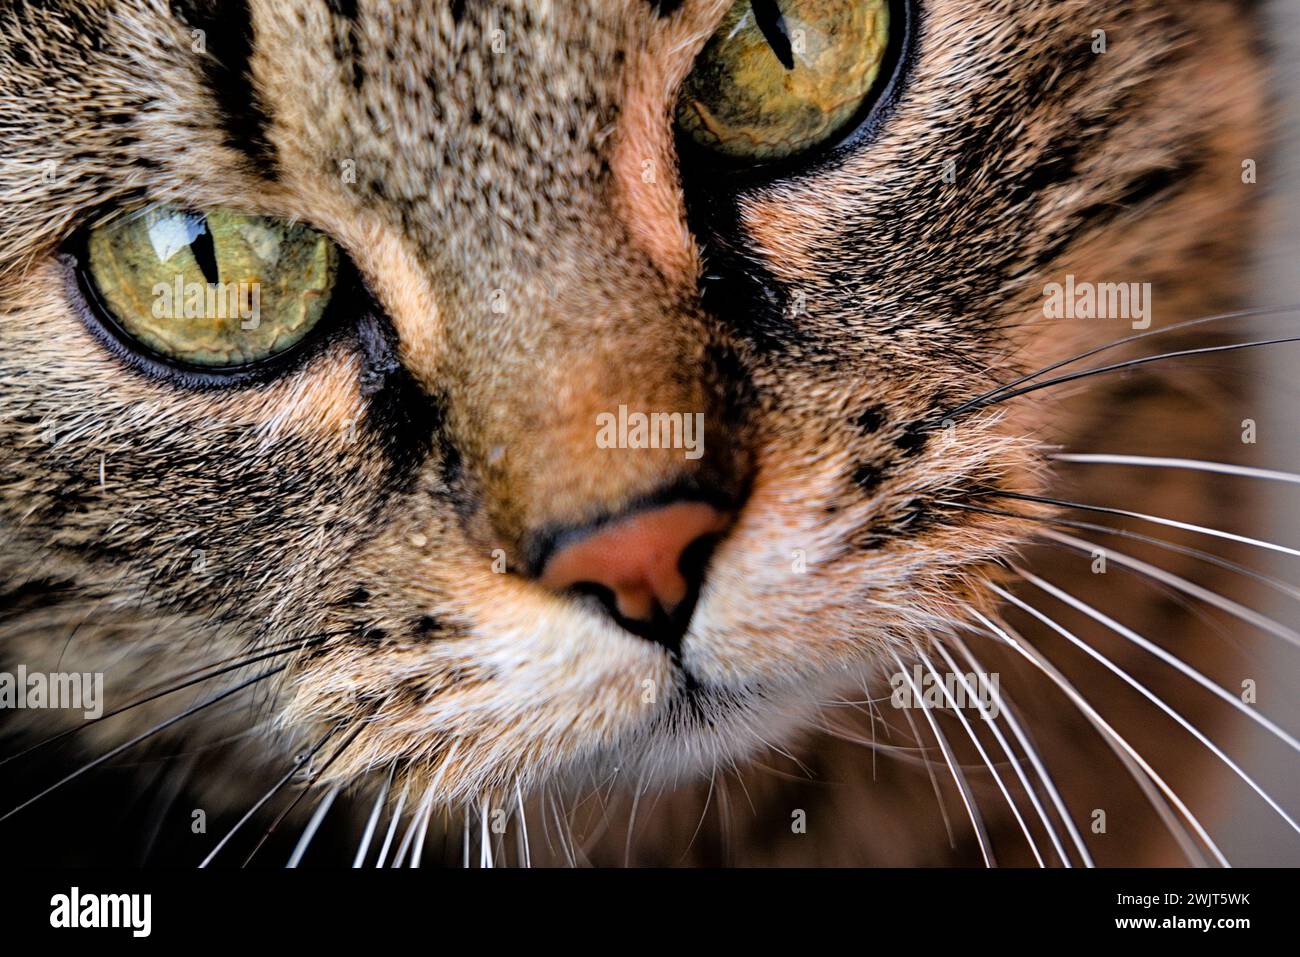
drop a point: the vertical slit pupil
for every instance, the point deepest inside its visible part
(767, 14)
(205, 254)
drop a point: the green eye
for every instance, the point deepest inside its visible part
(214, 290)
(782, 76)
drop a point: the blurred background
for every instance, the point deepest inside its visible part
(1257, 835)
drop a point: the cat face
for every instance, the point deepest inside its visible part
(532, 250)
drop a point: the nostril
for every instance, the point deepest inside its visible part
(696, 555)
(646, 567)
(662, 627)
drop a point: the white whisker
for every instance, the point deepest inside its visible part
(1285, 588)
(1154, 699)
(313, 826)
(1172, 660)
(968, 798)
(979, 745)
(428, 810)
(298, 764)
(704, 811)
(562, 831)
(417, 852)
(631, 823)
(1158, 520)
(1035, 657)
(373, 821)
(1248, 615)
(464, 844)
(413, 827)
(1049, 785)
(485, 842)
(1195, 465)
(724, 819)
(525, 853)
(392, 825)
(934, 781)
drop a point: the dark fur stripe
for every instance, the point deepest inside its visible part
(228, 36)
(665, 8)
(343, 8)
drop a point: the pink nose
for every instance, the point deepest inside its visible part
(639, 559)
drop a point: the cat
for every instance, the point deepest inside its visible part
(364, 552)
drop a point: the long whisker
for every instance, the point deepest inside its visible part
(631, 823)
(420, 822)
(422, 830)
(1194, 465)
(724, 819)
(548, 802)
(1172, 660)
(1155, 519)
(979, 745)
(464, 863)
(416, 822)
(1097, 350)
(235, 666)
(578, 856)
(1237, 610)
(602, 792)
(298, 762)
(1143, 690)
(871, 716)
(1008, 712)
(393, 823)
(934, 781)
(526, 852)
(991, 723)
(313, 826)
(1285, 588)
(968, 798)
(485, 843)
(898, 751)
(343, 746)
(704, 811)
(1117, 366)
(156, 729)
(373, 821)
(1135, 759)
